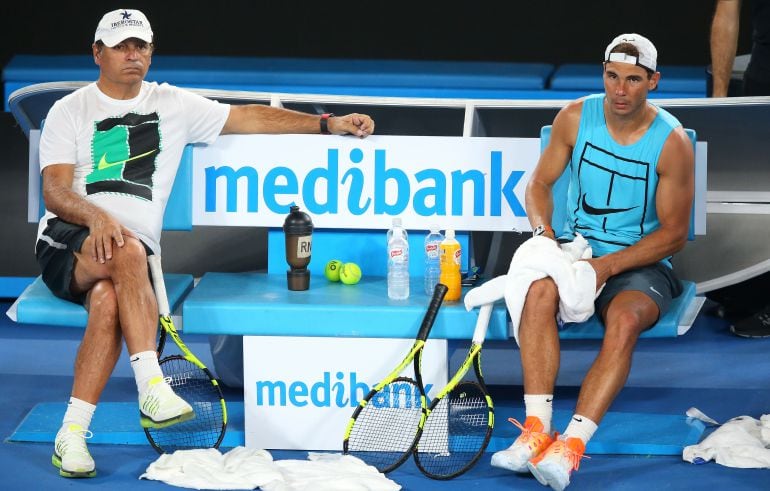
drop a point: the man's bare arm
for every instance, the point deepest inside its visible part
(258, 118)
(551, 165)
(70, 207)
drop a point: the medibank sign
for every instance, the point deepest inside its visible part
(346, 182)
(299, 392)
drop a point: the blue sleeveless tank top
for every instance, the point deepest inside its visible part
(611, 194)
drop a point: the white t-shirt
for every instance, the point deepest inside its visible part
(126, 152)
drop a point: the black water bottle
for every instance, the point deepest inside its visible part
(298, 229)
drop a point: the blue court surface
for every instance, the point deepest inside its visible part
(636, 447)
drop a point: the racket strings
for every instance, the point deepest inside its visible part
(384, 430)
(456, 432)
(193, 385)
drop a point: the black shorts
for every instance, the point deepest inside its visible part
(55, 253)
(657, 281)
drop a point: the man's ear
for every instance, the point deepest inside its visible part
(654, 81)
(97, 52)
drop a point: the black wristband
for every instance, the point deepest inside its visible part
(325, 123)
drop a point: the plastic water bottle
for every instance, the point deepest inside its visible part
(451, 258)
(398, 262)
(432, 263)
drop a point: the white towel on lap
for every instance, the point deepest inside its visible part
(538, 258)
(245, 468)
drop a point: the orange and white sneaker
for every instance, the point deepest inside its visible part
(531, 443)
(554, 466)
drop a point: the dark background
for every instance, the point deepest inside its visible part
(553, 31)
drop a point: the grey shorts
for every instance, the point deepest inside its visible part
(55, 253)
(657, 281)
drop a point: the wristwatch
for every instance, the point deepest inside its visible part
(541, 230)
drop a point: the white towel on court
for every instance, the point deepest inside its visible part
(245, 468)
(741, 442)
(535, 259)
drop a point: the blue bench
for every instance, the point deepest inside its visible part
(675, 82)
(391, 78)
(261, 304)
(37, 305)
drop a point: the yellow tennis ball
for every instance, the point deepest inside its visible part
(350, 273)
(332, 270)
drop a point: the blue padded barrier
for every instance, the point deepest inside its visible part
(277, 71)
(37, 305)
(383, 77)
(690, 80)
(427, 91)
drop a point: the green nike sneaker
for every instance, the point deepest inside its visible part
(70, 454)
(160, 407)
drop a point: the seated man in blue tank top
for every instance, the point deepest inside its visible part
(631, 187)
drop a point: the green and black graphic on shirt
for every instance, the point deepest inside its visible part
(123, 152)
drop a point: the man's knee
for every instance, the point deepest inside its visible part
(629, 320)
(133, 248)
(543, 291)
(625, 320)
(132, 253)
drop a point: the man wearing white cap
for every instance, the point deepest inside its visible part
(108, 156)
(630, 191)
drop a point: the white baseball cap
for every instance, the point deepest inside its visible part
(648, 55)
(122, 24)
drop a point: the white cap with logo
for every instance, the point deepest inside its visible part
(648, 55)
(119, 25)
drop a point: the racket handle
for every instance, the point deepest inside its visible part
(159, 284)
(485, 312)
(430, 315)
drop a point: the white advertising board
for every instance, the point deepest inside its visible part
(299, 393)
(343, 182)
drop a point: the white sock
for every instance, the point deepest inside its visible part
(540, 405)
(580, 427)
(146, 367)
(78, 412)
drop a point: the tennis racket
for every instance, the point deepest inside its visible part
(386, 424)
(460, 418)
(191, 381)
